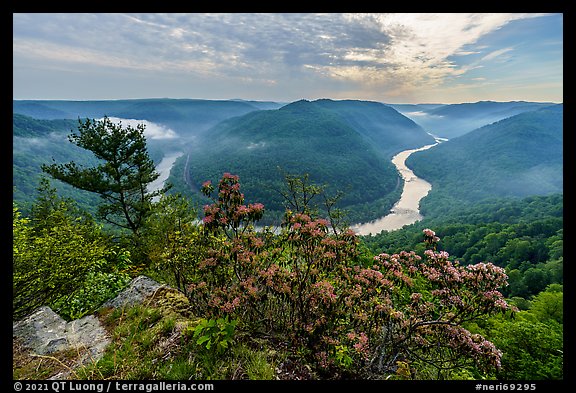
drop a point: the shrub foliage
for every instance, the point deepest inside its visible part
(398, 315)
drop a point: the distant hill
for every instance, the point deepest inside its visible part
(515, 157)
(407, 108)
(387, 130)
(450, 121)
(345, 144)
(36, 142)
(25, 126)
(185, 116)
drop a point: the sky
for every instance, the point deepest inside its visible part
(391, 58)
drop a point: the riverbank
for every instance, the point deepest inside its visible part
(406, 211)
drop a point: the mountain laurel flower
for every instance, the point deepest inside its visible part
(429, 233)
(229, 176)
(207, 188)
(362, 346)
(443, 255)
(208, 219)
(501, 303)
(326, 291)
(323, 222)
(229, 307)
(256, 207)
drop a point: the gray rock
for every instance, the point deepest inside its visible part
(140, 288)
(44, 332)
(88, 332)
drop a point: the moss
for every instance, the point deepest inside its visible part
(147, 339)
(169, 300)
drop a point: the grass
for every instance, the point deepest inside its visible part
(153, 341)
(29, 366)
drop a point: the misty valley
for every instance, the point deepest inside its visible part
(467, 187)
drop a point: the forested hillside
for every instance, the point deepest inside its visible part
(41, 127)
(515, 157)
(262, 147)
(343, 144)
(185, 116)
(388, 131)
(36, 142)
(524, 236)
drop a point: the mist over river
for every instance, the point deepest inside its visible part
(406, 210)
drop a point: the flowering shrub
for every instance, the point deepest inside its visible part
(229, 210)
(427, 324)
(402, 315)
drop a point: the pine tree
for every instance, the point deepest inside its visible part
(122, 177)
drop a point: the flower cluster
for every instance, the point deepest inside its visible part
(430, 238)
(453, 294)
(229, 208)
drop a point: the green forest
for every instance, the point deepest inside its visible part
(515, 157)
(475, 294)
(343, 145)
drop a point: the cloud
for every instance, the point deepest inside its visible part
(396, 52)
(152, 130)
(492, 55)
(420, 45)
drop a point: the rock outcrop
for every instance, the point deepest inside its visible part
(44, 332)
(139, 289)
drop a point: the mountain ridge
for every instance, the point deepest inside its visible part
(518, 156)
(301, 137)
(453, 120)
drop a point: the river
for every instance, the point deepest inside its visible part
(406, 211)
(163, 168)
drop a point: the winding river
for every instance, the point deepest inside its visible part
(406, 210)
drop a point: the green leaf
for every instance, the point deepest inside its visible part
(202, 340)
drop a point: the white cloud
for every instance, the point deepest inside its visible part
(492, 55)
(420, 46)
(152, 130)
(396, 53)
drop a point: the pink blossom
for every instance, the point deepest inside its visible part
(208, 219)
(416, 297)
(323, 222)
(256, 207)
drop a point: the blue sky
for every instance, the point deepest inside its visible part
(392, 58)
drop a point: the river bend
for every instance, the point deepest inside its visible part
(406, 210)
